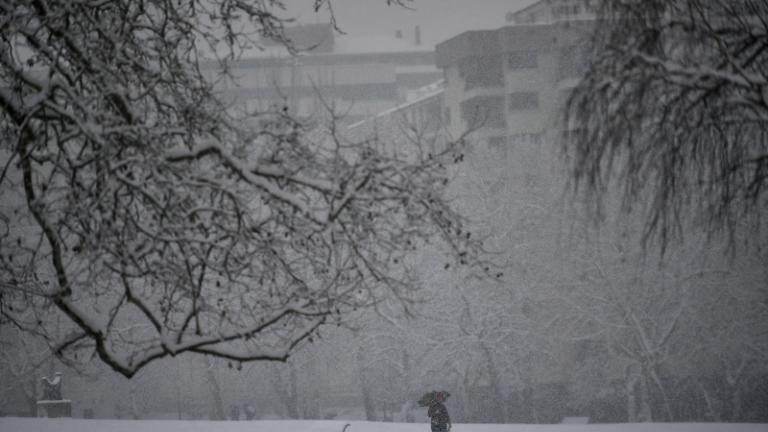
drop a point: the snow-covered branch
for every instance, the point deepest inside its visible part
(673, 109)
(158, 222)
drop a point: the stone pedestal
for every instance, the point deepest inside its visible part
(54, 408)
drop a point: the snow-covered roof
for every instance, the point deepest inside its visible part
(346, 44)
(343, 44)
(424, 93)
(547, 12)
(416, 69)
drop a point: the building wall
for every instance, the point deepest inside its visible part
(550, 11)
(412, 129)
(358, 83)
(519, 88)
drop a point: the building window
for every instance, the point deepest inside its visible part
(521, 101)
(565, 11)
(522, 60)
(530, 179)
(484, 111)
(481, 71)
(573, 62)
(498, 144)
(524, 139)
(563, 96)
(497, 141)
(570, 134)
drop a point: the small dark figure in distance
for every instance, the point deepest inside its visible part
(438, 413)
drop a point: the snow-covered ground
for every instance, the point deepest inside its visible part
(11, 424)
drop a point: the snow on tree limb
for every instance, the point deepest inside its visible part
(137, 205)
(673, 110)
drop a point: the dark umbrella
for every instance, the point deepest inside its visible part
(430, 397)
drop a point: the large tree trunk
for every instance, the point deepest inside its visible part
(465, 400)
(31, 393)
(733, 402)
(408, 386)
(293, 395)
(370, 410)
(736, 405)
(638, 400)
(631, 383)
(733, 381)
(665, 399)
(712, 413)
(644, 413)
(286, 392)
(177, 385)
(218, 403)
(311, 402)
(527, 395)
(493, 373)
(133, 407)
(638, 397)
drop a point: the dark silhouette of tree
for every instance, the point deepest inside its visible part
(674, 107)
(158, 222)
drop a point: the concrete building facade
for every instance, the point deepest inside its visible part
(359, 77)
(509, 85)
(552, 11)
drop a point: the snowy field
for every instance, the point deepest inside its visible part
(11, 424)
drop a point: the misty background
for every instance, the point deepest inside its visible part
(439, 19)
(579, 314)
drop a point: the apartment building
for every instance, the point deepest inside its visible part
(510, 84)
(359, 77)
(412, 129)
(552, 11)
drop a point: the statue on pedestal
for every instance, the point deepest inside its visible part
(52, 387)
(52, 404)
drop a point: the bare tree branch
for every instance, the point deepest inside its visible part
(138, 206)
(674, 110)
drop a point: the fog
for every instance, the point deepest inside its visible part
(446, 196)
(438, 19)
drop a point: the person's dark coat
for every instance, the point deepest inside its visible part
(439, 415)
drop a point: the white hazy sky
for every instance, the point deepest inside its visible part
(439, 19)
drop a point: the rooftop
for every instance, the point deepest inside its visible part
(422, 94)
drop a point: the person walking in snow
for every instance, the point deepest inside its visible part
(438, 413)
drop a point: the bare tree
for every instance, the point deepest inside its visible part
(730, 335)
(676, 103)
(655, 326)
(637, 315)
(143, 210)
(22, 364)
